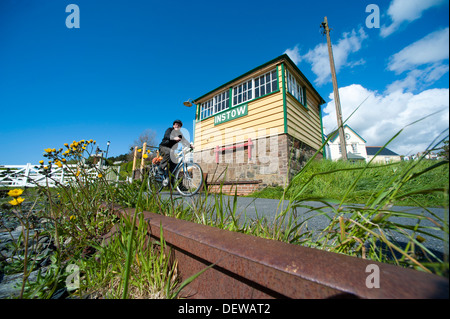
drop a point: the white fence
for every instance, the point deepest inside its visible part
(32, 176)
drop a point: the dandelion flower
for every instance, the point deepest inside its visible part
(100, 175)
(15, 192)
(16, 201)
(77, 173)
(145, 156)
(48, 150)
(41, 162)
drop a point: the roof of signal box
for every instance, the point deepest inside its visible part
(283, 57)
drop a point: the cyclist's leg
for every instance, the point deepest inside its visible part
(165, 154)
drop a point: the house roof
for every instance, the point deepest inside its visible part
(345, 126)
(372, 150)
(283, 57)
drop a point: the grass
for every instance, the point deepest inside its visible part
(128, 267)
(332, 179)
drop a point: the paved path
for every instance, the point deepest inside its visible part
(248, 208)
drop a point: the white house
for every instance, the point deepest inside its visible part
(355, 145)
(385, 155)
(357, 149)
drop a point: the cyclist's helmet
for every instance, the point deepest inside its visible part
(178, 121)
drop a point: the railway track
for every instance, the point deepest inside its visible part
(248, 267)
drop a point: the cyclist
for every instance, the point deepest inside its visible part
(169, 144)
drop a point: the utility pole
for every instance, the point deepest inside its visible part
(337, 101)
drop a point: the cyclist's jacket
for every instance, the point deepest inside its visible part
(169, 135)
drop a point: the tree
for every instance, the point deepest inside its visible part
(147, 136)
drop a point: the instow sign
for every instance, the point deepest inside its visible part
(231, 114)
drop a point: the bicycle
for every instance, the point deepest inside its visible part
(188, 177)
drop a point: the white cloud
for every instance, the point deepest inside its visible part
(294, 54)
(430, 49)
(350, 42)
(401, 11)
(418, 79)
(424, 61)
(381, 116)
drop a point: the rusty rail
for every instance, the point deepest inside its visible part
(253, 267)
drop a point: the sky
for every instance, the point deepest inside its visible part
(129, 66)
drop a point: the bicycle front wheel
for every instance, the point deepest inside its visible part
(189, 179)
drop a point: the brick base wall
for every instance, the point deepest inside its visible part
(268, 163)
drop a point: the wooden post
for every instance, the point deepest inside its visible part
(337, 101)
(144, 147)
(134, 162)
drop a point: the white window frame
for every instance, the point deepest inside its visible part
(266, 82)
(243, 92)
(295, 89)
(215, 105)
(251, 89)
(221, 101)
(206, 109)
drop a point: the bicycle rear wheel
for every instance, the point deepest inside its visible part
(155, 180)
(189, 179)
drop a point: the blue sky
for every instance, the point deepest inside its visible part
(131, 64)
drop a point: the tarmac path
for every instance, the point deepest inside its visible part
(249, 208)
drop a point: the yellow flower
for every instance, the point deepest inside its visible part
(58, 163)
(100, 175)
(145, 156)
(77, 173)
(45, 167)
(15, 192)
(72, 217)
(139, 150)
(41, 162)
(16, 201)
(63, 160)
(48, 150)
(66, 145)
